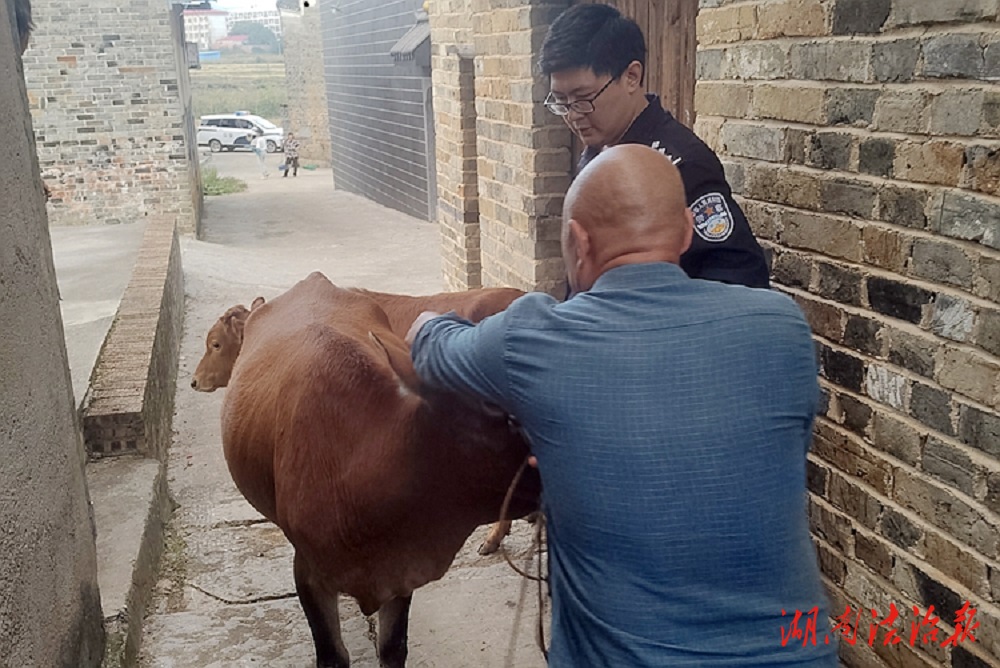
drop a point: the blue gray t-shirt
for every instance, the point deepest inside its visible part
(671, 419)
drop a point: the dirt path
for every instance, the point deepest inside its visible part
(226, 596)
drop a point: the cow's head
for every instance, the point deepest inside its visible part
(222, 347)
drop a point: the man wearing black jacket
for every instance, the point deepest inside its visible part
(595, 59)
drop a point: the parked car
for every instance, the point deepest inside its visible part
(227, 132)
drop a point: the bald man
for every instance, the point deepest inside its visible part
(670, 418)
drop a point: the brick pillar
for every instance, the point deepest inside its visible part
(524, 152)
(455, 125)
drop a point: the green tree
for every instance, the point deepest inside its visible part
(256, 33)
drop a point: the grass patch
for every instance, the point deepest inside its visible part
(222, 88)
(213, 184)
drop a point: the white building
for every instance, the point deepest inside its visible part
(205, 26)
(267, 17)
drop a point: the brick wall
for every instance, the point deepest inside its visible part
(864, 139)
(106, 91)
(307, 114)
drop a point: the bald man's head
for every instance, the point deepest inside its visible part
(626, 207)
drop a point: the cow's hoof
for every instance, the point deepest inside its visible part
(490, 545)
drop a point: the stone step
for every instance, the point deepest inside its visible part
(131, 508)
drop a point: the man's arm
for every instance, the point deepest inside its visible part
(723, 247)
(452, 353)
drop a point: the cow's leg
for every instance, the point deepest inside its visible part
(324, 618)
(497, 533)
(393, 621)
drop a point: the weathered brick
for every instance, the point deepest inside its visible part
(815, 478)
(933, 161)
(841, 284)
(755, 61)
(736, 176)
(912, 352)
(987, 331)
(830, 150)
(851, 198)
(876, 157)
(727, 24)
(903, 206)
(770, 183)
(969, 373)
(825, 234)
(849, 455)
(992, 502)
(723, 98)
(915, 12)
(896, 437)
(826, 320)
(983, 169)
(886, 248)
(786, 102)
(830, 61)
(855, 501)
(792, 18)
(895, 62)
(896, 299)
(956, 112)
(792, 269)
(900, 530)
(832, 527)
(942, 262)
(873, 553)
(710, 64)
(857, 414)
(949, 464)
(842, 368)
(969, 217)
(944, 509)
(852, 106)
(862, 334)
(860, 16)
(931, 407)
(886, 386)
(831, 564)
(953, 56)
(987, 284)
(952, 317)
(963, 658)
(980, 429)
(991, 113)
(901, 110)
(747, 140)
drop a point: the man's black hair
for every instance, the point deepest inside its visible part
(592, 36)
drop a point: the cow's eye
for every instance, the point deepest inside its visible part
(216, 345)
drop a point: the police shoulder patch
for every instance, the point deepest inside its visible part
(713, 221)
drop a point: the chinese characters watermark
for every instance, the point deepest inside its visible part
(923, 627)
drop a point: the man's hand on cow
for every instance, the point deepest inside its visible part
(418, 324)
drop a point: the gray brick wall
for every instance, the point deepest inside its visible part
(864, 139)
(112, 123)
(377, 107)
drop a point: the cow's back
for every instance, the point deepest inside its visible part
(473, 305)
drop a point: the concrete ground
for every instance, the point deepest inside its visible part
(93, 267)
(225, 597)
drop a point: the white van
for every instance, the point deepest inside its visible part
(229, 131)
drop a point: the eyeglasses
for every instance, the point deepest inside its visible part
(579, 106)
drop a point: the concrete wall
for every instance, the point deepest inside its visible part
(50, 612)
(308, 115)
(500, 216)
(106, 92)
(864, 138)
(377, 107)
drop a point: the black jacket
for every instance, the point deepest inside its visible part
(724, 248)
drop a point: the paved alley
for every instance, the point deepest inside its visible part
(225, 597)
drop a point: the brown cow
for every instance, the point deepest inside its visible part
(375, 481)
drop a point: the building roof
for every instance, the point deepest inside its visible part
(205, 12)
(406, 47)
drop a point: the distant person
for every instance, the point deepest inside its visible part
(259, 145)
(291, 148)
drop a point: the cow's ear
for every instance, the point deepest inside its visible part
(234, 319)
(257, 303)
